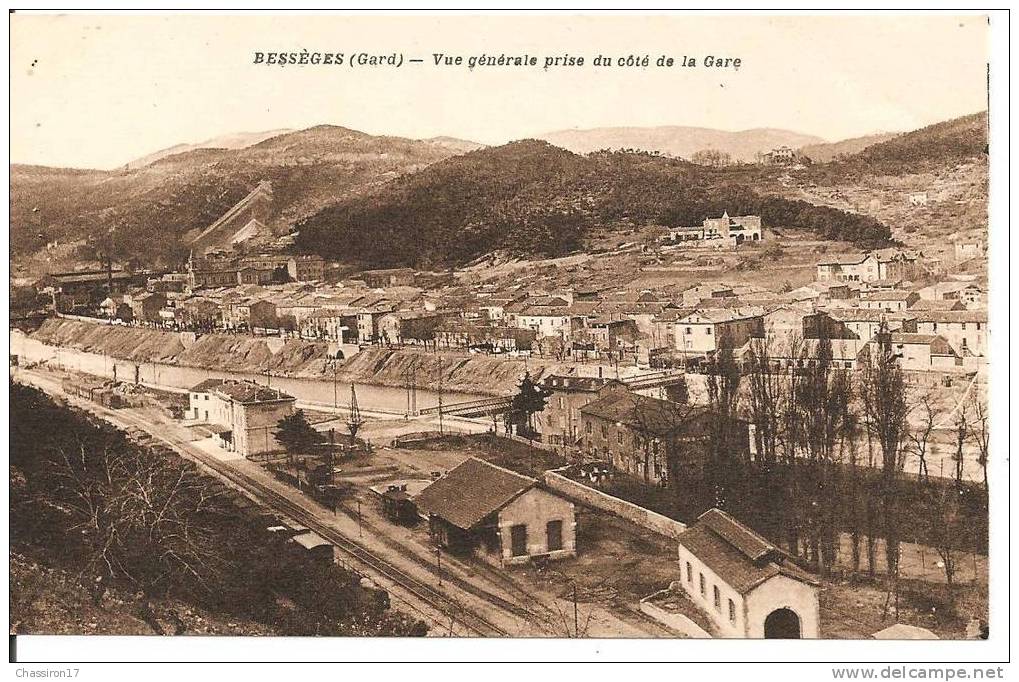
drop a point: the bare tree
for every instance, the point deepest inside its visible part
(962, 435)
(659, 428)
(919, 438)
(767, 389)
(981, 435)
(823, 401)
(944, 526)
(883, 394)
(142, 518)
(723, 384)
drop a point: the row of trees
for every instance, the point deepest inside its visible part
(827, 456)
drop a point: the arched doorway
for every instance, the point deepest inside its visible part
(782, 624)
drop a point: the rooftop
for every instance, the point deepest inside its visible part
(471, 491)
(738, 555)
(245, 392)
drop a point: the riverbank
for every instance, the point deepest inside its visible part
(294, 358)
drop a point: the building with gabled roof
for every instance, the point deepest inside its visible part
(861, 267)
(747, 586)
(480, 508)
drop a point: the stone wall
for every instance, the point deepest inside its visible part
(590, 497)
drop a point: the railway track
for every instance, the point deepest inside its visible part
(372, 565)
(445, 604)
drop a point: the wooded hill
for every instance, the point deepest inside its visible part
(152, 207)
(531, 198)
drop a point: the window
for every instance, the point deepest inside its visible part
(518, 540)
(604, 433)
(587, 427)
(964, 326)
(554, 535)
(732, 611)
(619, 437)
(689, 330)
(703, 585)
(689, 572)
(718, 598)
(707, 330)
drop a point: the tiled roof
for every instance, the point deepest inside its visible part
(659, 417)
(845, 259)
(735, 533)
(723, 314)
(472, 491)
(246, 392)
(868, 315)
(938, 344)
(738, 555)
(937, 305)
(950, 316)
(895, 295)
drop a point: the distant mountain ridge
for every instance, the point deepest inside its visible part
(229, 141)
(680, 141)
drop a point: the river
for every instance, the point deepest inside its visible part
(369, 396)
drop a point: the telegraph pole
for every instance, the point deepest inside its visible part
(441, 432)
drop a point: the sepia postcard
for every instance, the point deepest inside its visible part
(580, 326)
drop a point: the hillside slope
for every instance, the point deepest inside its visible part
(152, 207)
(947, 162)
(826, 152)
(934, 147)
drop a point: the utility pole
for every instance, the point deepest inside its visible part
(438, 563)
(336, 401)
(576, 619)
(441, 432)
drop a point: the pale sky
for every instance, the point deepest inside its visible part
(98, 91)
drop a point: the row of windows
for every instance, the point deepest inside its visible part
(716, 592)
